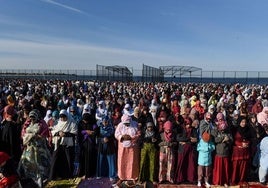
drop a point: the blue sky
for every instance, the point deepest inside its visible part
(230, 35)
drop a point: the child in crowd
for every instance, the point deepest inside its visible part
(107, 150)
(148, 139)
(205, 148)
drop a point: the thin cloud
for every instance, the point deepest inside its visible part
(64, 6)
(73, 56)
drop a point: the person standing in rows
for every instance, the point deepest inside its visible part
(241, 152)
(35, 160)
(101, 111)
(106, 150)
(223, 142)
(258, 133)
(166, 154)
(64, 132)
(87, 134)
(128, 161)
(187, 138)
(149, 140)
(205, 147)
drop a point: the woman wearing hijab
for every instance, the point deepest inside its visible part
(166, 155)
(128, 161)
(257, 107)
(87, 133)
(262, 117)
(64, 132)
(187, 138)
(48, 116)
(241, 152)
(223, 143)
(200, 109)
(35, 160)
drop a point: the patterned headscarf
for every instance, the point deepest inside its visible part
(168, 135)
(221, 123)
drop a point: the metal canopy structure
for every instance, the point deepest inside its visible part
(152, 74)
(175, 71)
(119, 69)
(114, 73)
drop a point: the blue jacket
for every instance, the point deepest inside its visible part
(205, 149)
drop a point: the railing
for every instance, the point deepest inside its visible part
(245, 77)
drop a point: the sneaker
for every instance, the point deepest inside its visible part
(207, 184)
(199, 184)
(98, 178)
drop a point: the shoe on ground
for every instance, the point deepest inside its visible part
(199, 184)
(207, 184)
(98, 178)
(112, 180)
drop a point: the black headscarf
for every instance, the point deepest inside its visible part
(243, 131)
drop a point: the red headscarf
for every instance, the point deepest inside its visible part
(168, 135)
(176, 110)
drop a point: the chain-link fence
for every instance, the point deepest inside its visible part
(245, 77)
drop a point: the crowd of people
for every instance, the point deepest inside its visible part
(132, 132)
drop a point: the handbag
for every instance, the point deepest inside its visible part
(206, 136)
